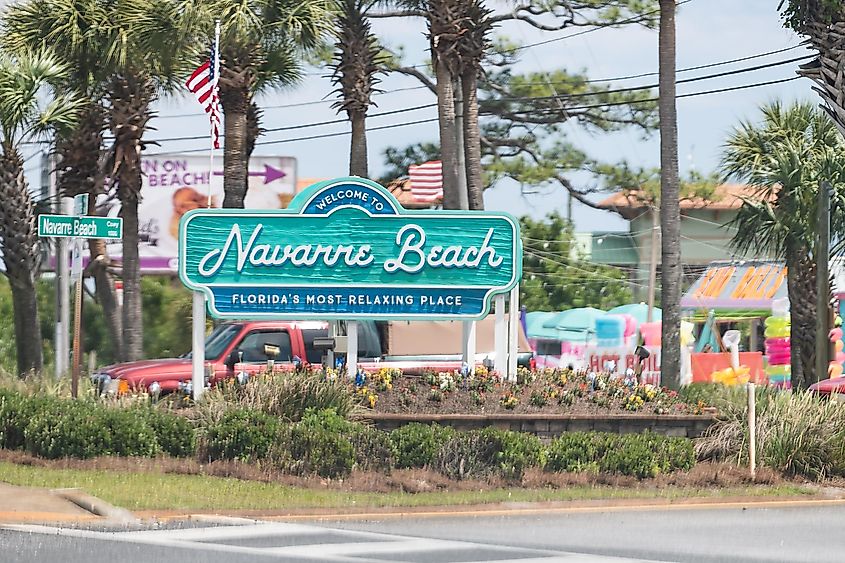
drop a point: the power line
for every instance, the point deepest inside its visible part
(522, 99)
(430, 120)
(297, 104)
(699, 67)
(652, 86)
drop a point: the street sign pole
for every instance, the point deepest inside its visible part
(80, 207)
(77, 317)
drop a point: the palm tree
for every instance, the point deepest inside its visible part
(260, 41)
(670, 208)
(473, 45)
(357, 60)
(75, 32)
(785, 157)
(30, 105)
(822, 22)
(154, 49)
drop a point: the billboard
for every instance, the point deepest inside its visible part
(175, 184)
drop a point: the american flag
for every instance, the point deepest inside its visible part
(427, 181)
(203, 83)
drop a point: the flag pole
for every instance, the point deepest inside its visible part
(214, 93)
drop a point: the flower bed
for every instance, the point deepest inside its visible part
(549, 391)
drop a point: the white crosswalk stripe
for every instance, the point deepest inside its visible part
(300, 542)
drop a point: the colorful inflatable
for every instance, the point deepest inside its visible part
(778, 351)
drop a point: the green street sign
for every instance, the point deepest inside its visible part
(346, 249)
(79, 227)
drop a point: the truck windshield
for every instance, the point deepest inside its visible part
(217, 341)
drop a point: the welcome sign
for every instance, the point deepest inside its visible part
(346, 249)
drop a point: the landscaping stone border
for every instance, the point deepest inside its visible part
(553, 425)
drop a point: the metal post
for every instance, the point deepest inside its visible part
(352, 348)
(198, 345)
(501, 336)
(330, 363)
(752, 430)
(822, 282)
(63, 297)
(513, 336)
(77, 324)
(468, 349)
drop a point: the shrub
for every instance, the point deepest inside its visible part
(16, 412)
(83, 430)
(466, 455)
(638, 455)
(175, 434)
(319, 444)
(797, 433)
(631, 455)
(289, 395)
(417, 444)
(242, 434)
(577, 451)
(373, 449)
(478, 454)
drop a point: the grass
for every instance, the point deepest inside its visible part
(159, 491)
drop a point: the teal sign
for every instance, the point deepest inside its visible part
(346, 249)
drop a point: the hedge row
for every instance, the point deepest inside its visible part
(53, 428)
(328, 445)
(322, 442)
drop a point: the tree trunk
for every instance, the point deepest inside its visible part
(235, 101)
(133, 330)
(670, 210)
(358, 146)
(21, 256)
(801, 286)
(81, 172)
(448, 143)
(106, 295)
(27, 327)
(131, 96)
(472, 139)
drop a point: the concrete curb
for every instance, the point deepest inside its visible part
(96, 506)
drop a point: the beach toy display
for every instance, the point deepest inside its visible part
(610, 331)
(736, 374)
(777, 351)
(834, 369)
(651, 333)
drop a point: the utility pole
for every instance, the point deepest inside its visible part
(652, 265)
(822, 281)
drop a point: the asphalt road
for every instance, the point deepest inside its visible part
(732, 533)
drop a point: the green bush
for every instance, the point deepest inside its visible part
(577, 452)
(482, 453)
(83, 430)
(631, 455)
(318, 444)
(638, 455)
(242, 434)
(175, 434)
(417, 444)
(16, 412)
(373, 449)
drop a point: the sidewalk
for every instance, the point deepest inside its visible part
(24, 504)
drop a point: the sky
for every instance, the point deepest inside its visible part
(707, 31)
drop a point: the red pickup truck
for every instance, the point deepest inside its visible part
(239, 347)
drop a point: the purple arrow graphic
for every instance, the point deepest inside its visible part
(270, 173)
